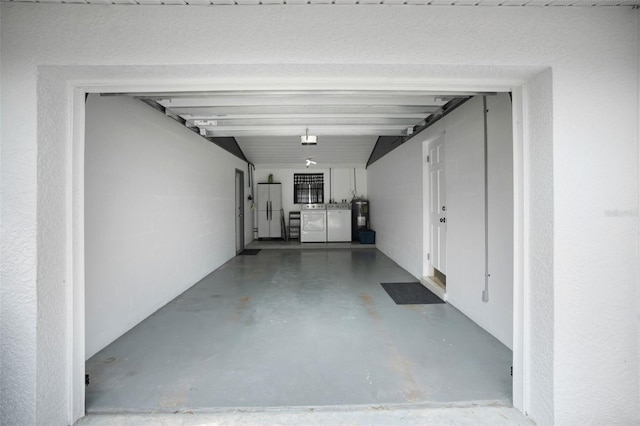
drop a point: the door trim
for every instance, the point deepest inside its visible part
(239, 203)
(428, 168)
(77, 82)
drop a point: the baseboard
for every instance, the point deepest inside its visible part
(435, 287)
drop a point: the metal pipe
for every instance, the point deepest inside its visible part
(485, 293)
(355, 183)
(330, 185)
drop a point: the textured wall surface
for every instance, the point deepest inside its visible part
(159, 213)
(581, 316)
(595, 254)
(541, 266)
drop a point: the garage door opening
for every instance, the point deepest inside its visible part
(282, 328)
(77, 82)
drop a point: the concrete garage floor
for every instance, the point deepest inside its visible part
(303, 328)
(471, 416)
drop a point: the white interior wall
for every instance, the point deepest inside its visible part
(396, 182)
(159, 213)
(347, 183)
(564, 109)
(464, 171)
(499, 309)
(342, 183)
(464, 153)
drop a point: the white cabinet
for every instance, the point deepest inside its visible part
(269, 205)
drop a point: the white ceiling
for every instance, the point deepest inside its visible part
(268, 125)
(536, 3)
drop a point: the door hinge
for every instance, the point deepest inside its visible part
(86, 380)
(428, 256)
(511, 370)
(428, 159)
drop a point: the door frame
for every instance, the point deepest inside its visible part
(79, 81)
(428, 268)
(239, 204)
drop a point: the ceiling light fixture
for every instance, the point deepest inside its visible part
(308, 140)
(205, 122)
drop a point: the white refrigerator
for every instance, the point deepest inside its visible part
(269, 205)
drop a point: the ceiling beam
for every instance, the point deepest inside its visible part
(275, 116)
(215, 111)
(319, 130)
(301, 101)
(287, 93)
(309, 122)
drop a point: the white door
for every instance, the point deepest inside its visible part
(239, 211)
(437, 206)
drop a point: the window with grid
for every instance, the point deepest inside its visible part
(308, 188)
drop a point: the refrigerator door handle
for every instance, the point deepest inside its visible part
(266, 209)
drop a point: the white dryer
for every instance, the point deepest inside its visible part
(313, 223)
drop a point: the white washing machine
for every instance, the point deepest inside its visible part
(338, 222)
(313, 223)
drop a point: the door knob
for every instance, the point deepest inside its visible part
(444, 208)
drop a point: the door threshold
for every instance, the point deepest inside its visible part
(435, 286)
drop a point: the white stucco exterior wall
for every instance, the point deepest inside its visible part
(159, 213)
(586, 259)
(539, 234)
(582, 156)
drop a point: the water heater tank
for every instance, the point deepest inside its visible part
(359, 216)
